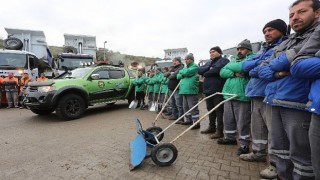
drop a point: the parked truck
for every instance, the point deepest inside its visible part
(78, 51)
(25, 51)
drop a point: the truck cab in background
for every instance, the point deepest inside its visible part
(78, 51)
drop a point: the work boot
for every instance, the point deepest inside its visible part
(252, 157)
(243, 150)
(186, 123)
(173, 117)
(210, 130)
(216, 135)
(225, 141)
(179, 122)
(197, 126)
(269, 173)
(143, 107)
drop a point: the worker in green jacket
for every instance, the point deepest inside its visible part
(156, 80)
(236, 116)
(164, 88)
(150, 87)
(189, 89)
(140, 88)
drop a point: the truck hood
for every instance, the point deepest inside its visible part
(41, 83)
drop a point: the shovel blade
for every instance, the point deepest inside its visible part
(133, 104)
(138, 150)
(153, 107)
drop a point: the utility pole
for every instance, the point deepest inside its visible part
(104, 50)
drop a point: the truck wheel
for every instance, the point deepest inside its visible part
(70, 49)
(70, 107)
(13, 43)
(164, 154)
(42, 111)
(155, 130)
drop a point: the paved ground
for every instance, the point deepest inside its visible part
(97, 147)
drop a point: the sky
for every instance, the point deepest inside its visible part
(147, 27)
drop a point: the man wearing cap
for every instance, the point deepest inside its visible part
(176, 99)
(274, 32)
(288, 96)
(236, 116)
(189, 89)
(214, 83)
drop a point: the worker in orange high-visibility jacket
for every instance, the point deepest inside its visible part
(11, 88)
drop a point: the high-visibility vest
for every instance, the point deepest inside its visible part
(11, 86)
(42, 79)
(24, 82)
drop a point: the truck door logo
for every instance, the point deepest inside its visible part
(101, 84)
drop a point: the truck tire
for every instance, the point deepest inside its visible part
(71, 106)
(42, 111)
(70, 49)
(13, 43)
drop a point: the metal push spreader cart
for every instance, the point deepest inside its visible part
(162, 154)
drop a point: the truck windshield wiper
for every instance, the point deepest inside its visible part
(7, 65)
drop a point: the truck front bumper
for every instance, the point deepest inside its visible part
(37, 100)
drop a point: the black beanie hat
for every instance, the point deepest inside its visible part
(216, 48)
(277, 24)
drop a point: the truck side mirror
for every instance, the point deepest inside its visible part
(95, 76)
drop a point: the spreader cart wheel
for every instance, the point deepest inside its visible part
(164, 154)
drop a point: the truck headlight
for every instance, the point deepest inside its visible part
(45, 89)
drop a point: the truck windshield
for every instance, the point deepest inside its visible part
(11, 61)
(78, 73)
(72, 63)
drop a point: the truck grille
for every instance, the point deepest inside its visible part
(33, 88)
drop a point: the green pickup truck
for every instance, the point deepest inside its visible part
(74, 92)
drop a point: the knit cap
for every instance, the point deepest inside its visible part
(245, 44)
(278, 24)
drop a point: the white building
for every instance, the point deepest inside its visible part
(169, 54)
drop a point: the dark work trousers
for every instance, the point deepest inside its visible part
(189, 101)
(150, 99)
(12, 98)
(259, 130)
(236, 117)
(268, 121)
(290, 143)
(314, 135)
(216, 117)
(176, 104)
(140, 98)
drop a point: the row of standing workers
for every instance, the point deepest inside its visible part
(14, 88)
(277, 108)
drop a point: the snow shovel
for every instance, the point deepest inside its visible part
(134, 103)
(165, 104)
(154, 106)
